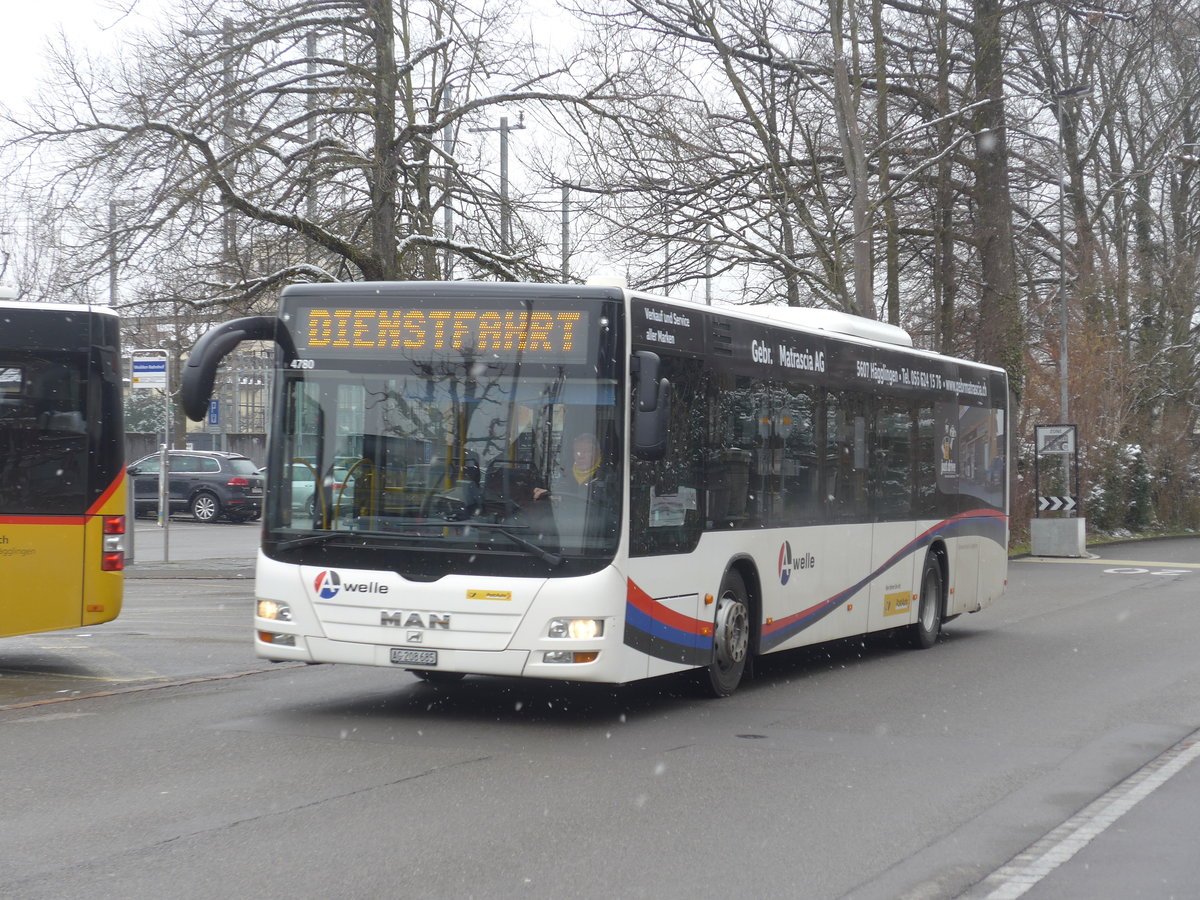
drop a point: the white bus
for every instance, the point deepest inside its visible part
(594, 484)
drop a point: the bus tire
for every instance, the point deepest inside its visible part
(206, 507)
(923, 633)
(731, 637)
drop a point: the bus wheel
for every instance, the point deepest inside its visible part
(205, 507)
(731, 638)
(923, 634)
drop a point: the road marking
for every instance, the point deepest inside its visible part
(1037, 861)
(49, 717)
(108, 679)
(1095, 561)
(183, 682)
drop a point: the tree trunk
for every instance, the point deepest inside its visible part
(383, 164)
(1000, 336)
(856, 168)
(891, 239)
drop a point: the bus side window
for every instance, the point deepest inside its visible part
(799, 472)
(732, 462)
(925, 504)
(665, 495)
(846, 457)
(893, 474)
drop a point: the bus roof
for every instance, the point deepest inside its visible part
(57, 307)
(831, 320)
(812, 319)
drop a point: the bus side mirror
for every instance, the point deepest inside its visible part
(652, 412)
(195, 389)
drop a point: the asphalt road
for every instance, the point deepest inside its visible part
(186, 540)
(1042, 746)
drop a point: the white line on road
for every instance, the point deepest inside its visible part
(1026, 869)
(1093, 561)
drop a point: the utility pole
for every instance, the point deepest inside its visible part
(505, 211)
(112, 253)
(228, 225)
(566, 233)
(708, 263)
(447, 205)
(1063, 319)
(310, 49)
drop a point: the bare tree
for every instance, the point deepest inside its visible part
(267, 141)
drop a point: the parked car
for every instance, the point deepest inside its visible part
(210, 484)
(304, 487)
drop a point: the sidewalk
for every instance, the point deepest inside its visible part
(236, 568)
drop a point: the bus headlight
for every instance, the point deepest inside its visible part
(576, 629)
(273, 609)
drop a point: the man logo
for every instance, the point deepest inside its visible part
(327, 584)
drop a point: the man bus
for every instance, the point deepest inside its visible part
(781, 477)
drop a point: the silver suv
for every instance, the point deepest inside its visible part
(210, 484)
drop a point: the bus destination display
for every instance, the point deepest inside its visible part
(543, 335)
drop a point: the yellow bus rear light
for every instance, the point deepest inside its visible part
(95, 607)
(114, 524)
(113, 561)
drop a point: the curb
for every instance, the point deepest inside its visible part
(217, 569)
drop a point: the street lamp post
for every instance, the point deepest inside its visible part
(1063, 317)
(1063, 320)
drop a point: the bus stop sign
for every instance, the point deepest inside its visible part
(149, 373)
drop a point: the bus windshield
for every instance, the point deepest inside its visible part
(486, 462)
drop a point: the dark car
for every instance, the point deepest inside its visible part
(211, 484)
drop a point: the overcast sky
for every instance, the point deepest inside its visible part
(29, 24)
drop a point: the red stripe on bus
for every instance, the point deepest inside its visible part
(43, 520)
(664, 614)
(107, 495)
(69, 520)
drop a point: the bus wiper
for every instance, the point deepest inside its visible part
(550, 559)
(309, 539)
(325, 537)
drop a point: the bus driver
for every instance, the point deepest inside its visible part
(587, 479)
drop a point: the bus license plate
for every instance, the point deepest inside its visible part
(402, 657)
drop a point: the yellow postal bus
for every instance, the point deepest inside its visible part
(62, 474)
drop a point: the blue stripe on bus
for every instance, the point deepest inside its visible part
(985, 523)
(653, 636)
(647, 630)
(661, 631)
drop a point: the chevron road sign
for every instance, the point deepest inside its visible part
(1054, 504)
